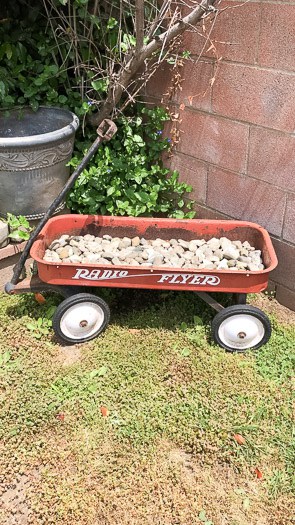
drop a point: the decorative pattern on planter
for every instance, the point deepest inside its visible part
(27, 160)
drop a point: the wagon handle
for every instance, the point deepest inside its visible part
(105, 132)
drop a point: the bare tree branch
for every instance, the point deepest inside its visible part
(134, 61)
(139, 24)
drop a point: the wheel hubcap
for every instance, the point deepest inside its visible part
(82, 320)
(241, 331)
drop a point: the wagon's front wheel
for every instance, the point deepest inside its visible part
(241, 327)
(80, 318)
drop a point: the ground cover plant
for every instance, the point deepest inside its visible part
(146, 424)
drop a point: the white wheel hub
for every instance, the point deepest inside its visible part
(241, 331)
(82, 320)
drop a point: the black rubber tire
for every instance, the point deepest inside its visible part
(72, 301)
(235, 310)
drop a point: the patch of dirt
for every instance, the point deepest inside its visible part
(14, 506)
(271, 306)
(178, 373)
(69, 355)
(172, 488)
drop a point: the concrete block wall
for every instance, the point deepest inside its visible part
(237, 145)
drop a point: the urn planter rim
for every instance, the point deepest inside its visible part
(68, 129)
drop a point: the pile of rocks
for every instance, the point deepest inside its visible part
(220, 254)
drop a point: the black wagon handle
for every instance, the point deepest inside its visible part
(105, 131)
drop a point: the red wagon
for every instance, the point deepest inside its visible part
(83, 316)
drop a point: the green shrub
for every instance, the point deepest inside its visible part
(127, 176)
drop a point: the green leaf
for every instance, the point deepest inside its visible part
(6, 357)
(99, 372)
(138, 140)
(112, 22)
(246, 504)
(2, 89)
(202, 515)
(185, 352)
(92, 389)
(110, 191)
(198, 321)
(100, 85)
(31, 326)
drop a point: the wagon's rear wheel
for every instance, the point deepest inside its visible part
(241, 327)
(80, 318)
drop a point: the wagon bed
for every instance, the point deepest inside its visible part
(156, 277)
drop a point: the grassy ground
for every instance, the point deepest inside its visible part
(165, 454)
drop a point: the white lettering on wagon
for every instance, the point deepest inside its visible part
(168, 278)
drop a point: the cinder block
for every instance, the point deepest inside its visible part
(277, 36)
(271, 157)
(285, 271)
(235, 33)
(289, 223)
(196, 87)
(285, 296)
(255, 95)
(244, 198)
(213, 139)
(192, 172)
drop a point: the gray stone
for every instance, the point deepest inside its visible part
(241, 265)
(195, 260)
(75, 259)
(219, 254)
(132, 262)
(230, 252)
(65, 252)
(223, 264)
(193, 246)
(135, 241)
(107, 237)
(214, 259)
(116, 261)
(200, 242)
(108, 255)
(244, 259)
(244, 252)
(158, 260)
(207, 264)
(184, 244)
(253, 267)
(208, 253)
(173, 242)
(53, 246)
(188, 256)
(238, 245)
(214, 244)
(89, 238)
(73, 242)
(102, 260)
(178, 249)
(124, 244)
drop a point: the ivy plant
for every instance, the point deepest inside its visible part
(127, 176)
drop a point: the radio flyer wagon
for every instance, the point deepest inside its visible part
(82, 315)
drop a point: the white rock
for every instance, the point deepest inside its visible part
(223, 264)
(230, 252)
